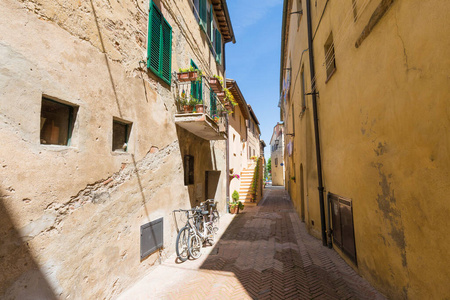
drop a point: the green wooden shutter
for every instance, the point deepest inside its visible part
(202, 7)
(154, 39)
(166, 50)
(212, 103)
(218, 48)
(159, 46)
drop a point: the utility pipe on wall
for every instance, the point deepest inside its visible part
(316, 123)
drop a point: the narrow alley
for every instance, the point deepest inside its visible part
(264, 252)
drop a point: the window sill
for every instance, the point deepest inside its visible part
(58, 147)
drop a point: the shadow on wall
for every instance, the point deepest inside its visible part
(197, 159)
(20, 276)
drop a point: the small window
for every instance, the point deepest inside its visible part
(330, 57)
(355, 12)
(121, 133)
(276, 162)
(188, 169)
(302, 77)
(299, 12)
(57, 121)
(159, 48)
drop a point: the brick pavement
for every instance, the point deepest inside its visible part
(264, 253)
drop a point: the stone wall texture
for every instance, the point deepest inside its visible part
(70, 216)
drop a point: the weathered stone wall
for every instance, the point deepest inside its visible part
(71, 215)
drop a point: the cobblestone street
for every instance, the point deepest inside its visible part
(263, 253)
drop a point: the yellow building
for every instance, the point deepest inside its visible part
(97, 148)
(365, 102)
(277, 155)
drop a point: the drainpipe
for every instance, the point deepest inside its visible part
(316, 123)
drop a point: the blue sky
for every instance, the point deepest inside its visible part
(254, 61)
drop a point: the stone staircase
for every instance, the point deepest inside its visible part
(245, 186)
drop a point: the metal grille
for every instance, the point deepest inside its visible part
(152, 237)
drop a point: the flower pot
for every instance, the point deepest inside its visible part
(234, 210)
(215, 85)
(199, 108)
(187, 76)
(221, 96)
(188, 108)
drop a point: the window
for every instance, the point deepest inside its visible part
(299, 8)
(196, 86)
(188, 169)
(355, 12)
(204, 13)
(302, 78)
(330, 57)
(121, 133)
(57, 121)
(276, 162)
(159, 48)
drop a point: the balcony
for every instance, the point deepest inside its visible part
(199, 110)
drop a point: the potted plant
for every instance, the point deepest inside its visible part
(236, 205)
(189, 74)
(191, 103)
(216, 83)
(182, 102)
(199, 108)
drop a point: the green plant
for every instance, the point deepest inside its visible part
(192, 69)
(220, 78)
(230, 97)
(236, 203)
(235, 196)
(192, 101)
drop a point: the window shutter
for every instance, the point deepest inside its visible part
(159, 46)
(166, 51)
(154, 39)
(202, 5)
(218, 38)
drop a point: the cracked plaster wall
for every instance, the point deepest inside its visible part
(384, 128)
(74, 213)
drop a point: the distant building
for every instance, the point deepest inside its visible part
(365, 102)
(244, 148)
(277, 155)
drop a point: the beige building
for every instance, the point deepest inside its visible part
(365, 98)
(244, 146)
(96, 150)
(277, 155)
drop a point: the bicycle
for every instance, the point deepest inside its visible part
(204, 232)
(182, 241)
(211, 206)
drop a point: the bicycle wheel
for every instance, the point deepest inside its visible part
(195, 246)
(211, 233)
(215, 218)
(182, 244)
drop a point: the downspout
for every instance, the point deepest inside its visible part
(316, 124)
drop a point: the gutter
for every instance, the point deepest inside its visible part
(316, 124)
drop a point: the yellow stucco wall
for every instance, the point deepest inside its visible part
(384, 118)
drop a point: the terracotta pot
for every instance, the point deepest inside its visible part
(234, 210)
(187, 76)
(188, 108)
(215, 85)
(199, 108)
(221, 96)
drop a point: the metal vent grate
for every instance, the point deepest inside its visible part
(152, 237)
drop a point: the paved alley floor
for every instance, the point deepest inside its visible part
(264, 252)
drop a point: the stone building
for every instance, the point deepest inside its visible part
(365, 94)
(97, 151)
(277, 155)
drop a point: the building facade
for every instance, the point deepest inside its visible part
(364, 99)
(98, 149)
(277, 155)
